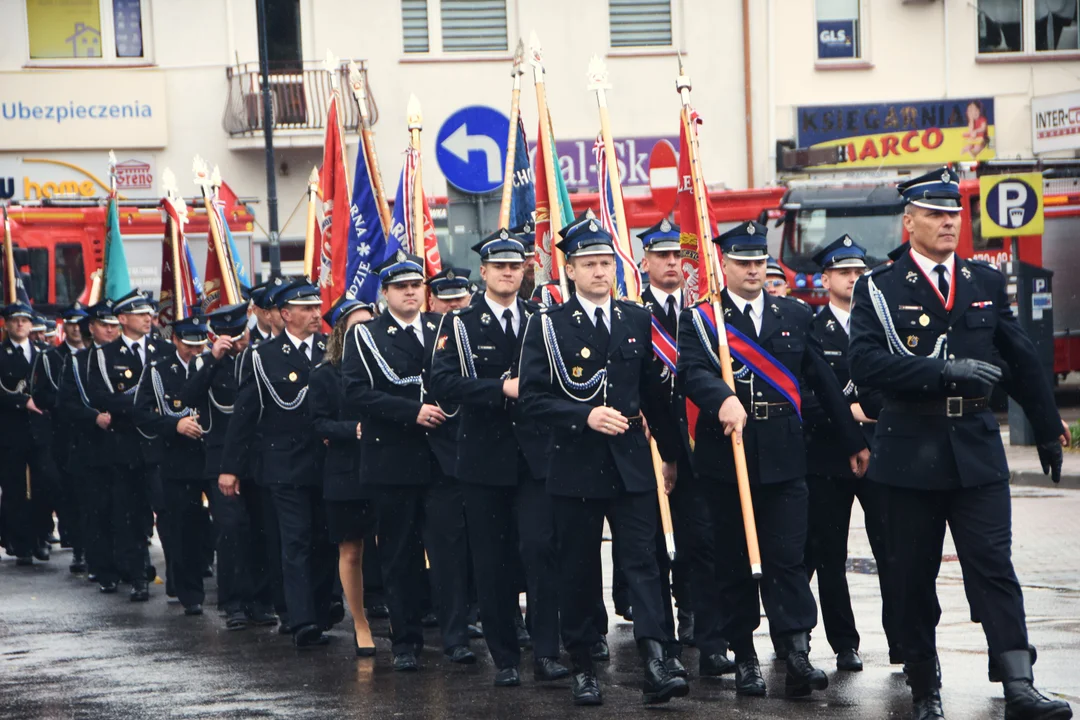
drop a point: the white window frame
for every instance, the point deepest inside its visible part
(637, 50)
(1027, 40)
(108, 42)
(863, 60)
(435, 51)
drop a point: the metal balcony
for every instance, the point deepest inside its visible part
(300, 98)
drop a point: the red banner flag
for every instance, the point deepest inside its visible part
(213, 288)
(547, 271)
(693, 259)
(334, 192)
(189, 294)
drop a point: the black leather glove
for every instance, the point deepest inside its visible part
(1050, 456)
(970, 369)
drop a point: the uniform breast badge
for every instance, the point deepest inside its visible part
(576, 372)
(912, 277)
(912, 341)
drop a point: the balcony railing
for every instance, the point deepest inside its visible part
(300, 97)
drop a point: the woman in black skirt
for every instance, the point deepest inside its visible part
(349, 514)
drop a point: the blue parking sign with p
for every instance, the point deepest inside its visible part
(471, 148)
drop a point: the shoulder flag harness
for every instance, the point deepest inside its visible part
(753, 357)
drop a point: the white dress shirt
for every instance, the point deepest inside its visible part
(756, 308)
(24, 348)
(590, 309)
(842, 316)
(497, 310)
(303, 346)
(927, 266)
(141, 342)
(415, 325)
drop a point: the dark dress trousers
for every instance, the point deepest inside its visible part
(941, 459)
(776, 461)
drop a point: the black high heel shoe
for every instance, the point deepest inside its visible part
(363, 652)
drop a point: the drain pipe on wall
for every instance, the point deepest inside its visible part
(747, 98)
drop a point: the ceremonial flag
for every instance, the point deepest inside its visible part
(627, 284)
(226, 201)
(188, 279)
(214, 295)
(693, 258)
(117, 280)
(401, 225)
(523, 194)
(547, 270)
(334, 190)
(366, 243)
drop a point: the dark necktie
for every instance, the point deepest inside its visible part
(508, 324)
(673, 319)
(412, 333)
(942, 283)
(305, 350)
(602, 333)
(137, 349)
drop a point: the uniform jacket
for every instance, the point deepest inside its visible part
(212, 386)
(583, 462)
(670, 422)
(90, 445)
(335, 436)
(774, 447)
(112, 379)
(162, 399)
(935, 451)
(282, 438)
(20, 380)
(493, 430)
(394, 448)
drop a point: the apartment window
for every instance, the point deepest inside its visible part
(104, 30)
(1026, 27)
(838, 29)
(639, 23)
(473, 25)
(464, 26)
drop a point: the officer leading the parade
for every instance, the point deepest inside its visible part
(934, 333)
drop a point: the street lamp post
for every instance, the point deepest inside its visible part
(268, 134)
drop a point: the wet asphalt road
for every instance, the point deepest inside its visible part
(68, 652)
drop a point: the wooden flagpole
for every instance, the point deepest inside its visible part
(172, 196)
(202, 179)
(550, 163)
(356, 81)
(215, 184)
(511, 140)
(10, 290)
(598, 83)
(309, 231)
(416, 124)
(715, 285)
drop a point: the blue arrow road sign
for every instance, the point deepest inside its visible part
(471, 148)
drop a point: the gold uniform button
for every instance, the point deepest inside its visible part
(292, 377)
(586, 353)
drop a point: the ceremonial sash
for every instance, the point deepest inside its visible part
(664, 346)
(755, 357)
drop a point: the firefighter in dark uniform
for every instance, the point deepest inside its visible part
(69, 511)
(166, 411)
(271, 414)
(267, 317)
(25, 430)
(476, 366)
(934, 333)
(91, 443)
(418, 505)
(693, 569)
(766, 418)
(112, 379)
(833, 487)
(587, 372)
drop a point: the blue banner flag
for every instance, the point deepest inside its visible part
(367, 245)
(523, 196)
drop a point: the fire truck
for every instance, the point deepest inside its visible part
(814, 212)
(59, 244)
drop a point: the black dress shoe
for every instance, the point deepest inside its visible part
(42, 553)
(895, 658)
(308, 636)
(261, 616)
(405, 662)
(336, 613)
(461, 655)
(193, 609)
(51, 539)
(585, 689)
(659, 685)
(802, 677)
(429, 621)
(524, 640)
(849, 661)
(78, 564)
(686, 628)
(507, 677)
(748, 680)
(675, 667)
(139, 593)
(208, 571)
(284, 626)
(928, 707)
(108, 588)
(24, 561)
(546, 669)
(600, 651)
(715, 665)
(475, 632)
(627, 613)
(91, 577)
(378, 611)
(237, 620)
(1022, 700)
